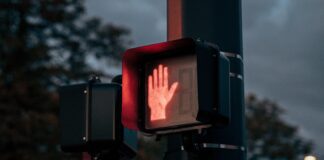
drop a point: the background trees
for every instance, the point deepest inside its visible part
(43, 44)
(269, 136)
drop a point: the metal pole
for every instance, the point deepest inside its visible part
(218, 22)
(174, 31)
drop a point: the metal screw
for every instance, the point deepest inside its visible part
(199, 131)
(84, 138)
(85, 92)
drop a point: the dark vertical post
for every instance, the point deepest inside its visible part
(218, 22)
(174, 31)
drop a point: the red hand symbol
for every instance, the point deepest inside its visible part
(159, 94)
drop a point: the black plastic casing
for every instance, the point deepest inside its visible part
(90, 117)
(212, 78)
(213, 85)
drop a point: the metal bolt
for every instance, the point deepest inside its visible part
(85, 92)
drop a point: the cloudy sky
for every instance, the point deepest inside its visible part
(283, 50)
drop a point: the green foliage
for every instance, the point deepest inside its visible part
(44, 44)
(269, 136)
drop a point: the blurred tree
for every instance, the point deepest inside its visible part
(269, 136)
(43, 44)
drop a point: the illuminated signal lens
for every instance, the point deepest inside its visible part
(159, 94)
(163, 83)
(171, 96)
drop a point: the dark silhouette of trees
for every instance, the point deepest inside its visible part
(44, 44)
(269, 136)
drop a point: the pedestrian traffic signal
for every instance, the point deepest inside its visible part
(89, 116)
(90, 119)
(175, 86)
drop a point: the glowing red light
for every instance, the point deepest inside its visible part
(159, 94)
